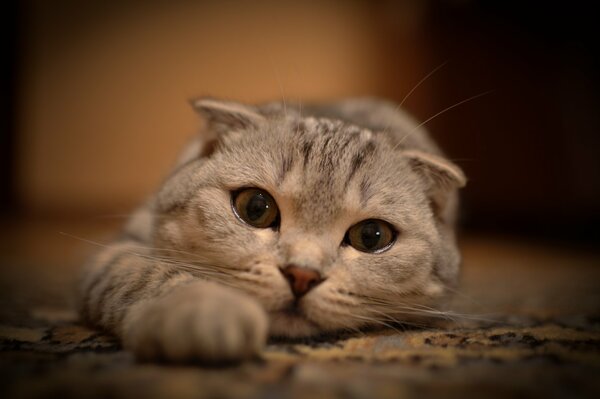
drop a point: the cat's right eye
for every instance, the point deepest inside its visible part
(371, 235)
(255, 207)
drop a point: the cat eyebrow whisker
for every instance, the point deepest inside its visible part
(421, 82)
(415, 87)
(416, 128)
(280, 85)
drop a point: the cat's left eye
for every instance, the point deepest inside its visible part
(371, 235)
(255, 207)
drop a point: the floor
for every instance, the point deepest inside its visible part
(526, 323)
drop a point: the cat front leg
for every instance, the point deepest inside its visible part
(161, 313)
(198, 321)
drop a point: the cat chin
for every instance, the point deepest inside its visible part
(285, 324)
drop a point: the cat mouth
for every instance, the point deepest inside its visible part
(293, 310)
(292, 320)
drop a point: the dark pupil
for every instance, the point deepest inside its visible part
(370, 235)
(256, 207)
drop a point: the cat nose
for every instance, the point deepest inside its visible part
(301, 279)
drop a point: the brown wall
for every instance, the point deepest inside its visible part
(104, 98)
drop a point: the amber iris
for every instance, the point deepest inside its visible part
(371, 235)
(255, 207)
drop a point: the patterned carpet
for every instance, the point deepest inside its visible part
(526, 324)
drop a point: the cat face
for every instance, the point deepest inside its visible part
(327, 224)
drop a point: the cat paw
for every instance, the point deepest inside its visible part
(201, 321)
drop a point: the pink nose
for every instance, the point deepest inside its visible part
(301, 279)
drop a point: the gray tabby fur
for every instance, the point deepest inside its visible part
(188, 280)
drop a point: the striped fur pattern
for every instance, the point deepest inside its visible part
(188, 280)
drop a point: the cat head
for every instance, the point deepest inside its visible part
(329, 225)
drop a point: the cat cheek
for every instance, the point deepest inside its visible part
(169, 232)
(265, 236)
(433, 289)
(349, 255)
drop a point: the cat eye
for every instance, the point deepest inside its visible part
(255, 207)
(371, 235)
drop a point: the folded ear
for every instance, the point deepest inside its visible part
(441, 177)
(227, 115)
(223, 116)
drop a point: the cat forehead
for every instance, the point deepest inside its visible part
(319, 161)
(323, 149)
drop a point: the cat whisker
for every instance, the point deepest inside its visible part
(421, 81)
(113, 216)
(386, 324)
(203, 263)
(355, 330)
(386, 128)
(192, 254)
(399, 322)
(85, 240)
(462, 295)
(384, 302)
(423, 310)
(448, 315)
(200, 271)
(299, 77)
(102, 245)
(280, 85)
(128, 215)
(190, 266)
(382, 322)
(116, 216)
(372, 320)
(194, 269)
(416, 128)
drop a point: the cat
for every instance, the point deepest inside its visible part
(281, 221)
